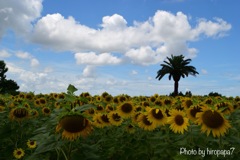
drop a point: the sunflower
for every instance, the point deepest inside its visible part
(187, 102)
(74, 126)
(158, 102)
(46, 111)
(192, 111)
(104, 119)
(108, 99)
(34, 113)
(31, 144)
(37, 103)
(212, 121)
(225, 107)
(2, 108)
(126, 109)
(61, 96)
(178, 122)
(42, 101)
(100, 108)
(18, 153)
(144, 123)
(130, 129)
(114, 118)
(97, 122)
(109, 108)
(152, 99)
(19, 113)
(156, 116)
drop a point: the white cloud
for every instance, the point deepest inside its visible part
(134, 72)
(4, 54)
(143, 42)
(114, 22)
(89, 71)
(144, 56)
(212, 29)
(18, 15)
(34, 62)
(92, 58)
(23, 55)
(204, 71)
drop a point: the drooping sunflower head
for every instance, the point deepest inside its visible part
(126, 109)
(178, 122)
(144, 123)
(31, 144)
(18, 153)
(19, 113)
(74, 126)
(212, 121)
(192, 112)
(225, 107)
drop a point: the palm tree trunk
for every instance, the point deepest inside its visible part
(175, 88)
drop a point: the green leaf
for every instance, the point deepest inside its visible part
(71, 89)
(84, 107)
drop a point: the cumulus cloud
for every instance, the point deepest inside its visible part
(18, 15)
(92, 58)
(89, 71)
(144, 42)
(4, 54)
(25, 55)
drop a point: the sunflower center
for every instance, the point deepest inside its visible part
(32, 143)
(46, 110)
(20, 112)
(105, 118)
(19, 152)
(99, 108)
(179, 120)
(157, 115)
(74, 124)
(127, 108)
(212, 119)
(188, 103)
(146, 121)
(194, 111)
(116, 117)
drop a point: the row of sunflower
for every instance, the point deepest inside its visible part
(66, 126)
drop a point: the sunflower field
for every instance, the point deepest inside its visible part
(65, 126)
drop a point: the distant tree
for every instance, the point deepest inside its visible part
(176, 67)
(214, 94)
(7, 86)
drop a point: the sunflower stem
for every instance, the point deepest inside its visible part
(64, 154)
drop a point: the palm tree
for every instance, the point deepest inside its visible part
(176, 67)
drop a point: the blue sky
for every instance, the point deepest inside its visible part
(118, 46)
